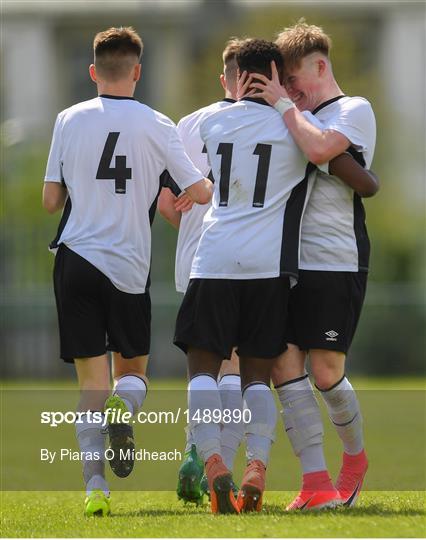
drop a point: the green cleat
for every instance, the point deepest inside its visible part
(190, 475)
(97, 504)
(121, 440)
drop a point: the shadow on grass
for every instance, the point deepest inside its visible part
(159, 513)
(370, 510)
(278, 510)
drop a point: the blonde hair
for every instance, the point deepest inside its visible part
(231, 48)
(116, 51)
(229, 57)
(302, 39)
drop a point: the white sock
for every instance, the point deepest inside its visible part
(132, 390)
(188, 432)
(260, 431)
(232, 432)
(302, 423)
(344, 411)
(91, 439)
(203, 399)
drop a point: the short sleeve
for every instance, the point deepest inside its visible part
(54, 162)
(356, 122)
(180, 167)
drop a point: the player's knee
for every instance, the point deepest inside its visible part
(327, 368)
(289, 366)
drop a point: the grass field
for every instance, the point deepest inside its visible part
(392, 505)
(159, 514)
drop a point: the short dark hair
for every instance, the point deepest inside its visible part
(256, 55)
(116, 50)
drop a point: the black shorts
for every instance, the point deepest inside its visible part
(94, 316)
(324, 309)
(219, 314)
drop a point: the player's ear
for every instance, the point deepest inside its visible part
(321, 67)
(137, 71)
(92, 73)
(223, 81)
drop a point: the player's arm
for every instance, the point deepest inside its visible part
(54, 189)
(319, 146)
(166, 207)
(201, 192)
(54, 196)
(188, 178)
(362, 181)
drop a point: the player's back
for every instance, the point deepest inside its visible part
(113, 151)
(256, 165)
(191, 222)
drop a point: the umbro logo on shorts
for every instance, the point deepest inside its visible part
(332, 335)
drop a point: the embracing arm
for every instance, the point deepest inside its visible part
(362, 181)
(54, 196)
(201, 192)
(166, 207)
(319, 146)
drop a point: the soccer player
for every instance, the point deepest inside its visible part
(189, 225)
(104, 167)
(240, 276)
(325, 306)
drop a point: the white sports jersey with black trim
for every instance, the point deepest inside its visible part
(191, 222)
(251, 230)
(334, 236)
(110, 153)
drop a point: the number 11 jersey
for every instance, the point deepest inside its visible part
(252, 229)
(110, 153)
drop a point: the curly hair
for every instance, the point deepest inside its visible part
(256, 55)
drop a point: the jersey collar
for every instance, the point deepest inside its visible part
(328, 102)
(261, 101)
(117, 97)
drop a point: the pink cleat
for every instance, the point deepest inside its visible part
(317, 493)
(351, 477)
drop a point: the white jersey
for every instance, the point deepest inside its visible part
(110, 153)
(334, 236)
(251, 230)
(191, 222)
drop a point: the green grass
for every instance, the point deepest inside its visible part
(392, 504)
(159, 514)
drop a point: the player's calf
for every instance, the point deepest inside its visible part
(129, 394)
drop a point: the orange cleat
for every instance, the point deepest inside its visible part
(222, 499)
(317, 493)
(252, 487)
(351, 477)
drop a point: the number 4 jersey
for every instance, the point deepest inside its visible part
(110, 153)
(252, 229)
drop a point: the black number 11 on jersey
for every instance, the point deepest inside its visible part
(264, 152)
(120, 173)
